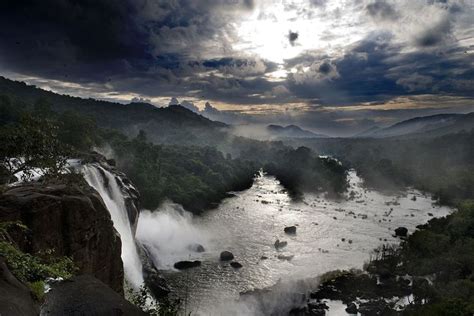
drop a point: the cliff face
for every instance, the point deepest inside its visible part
(73, 221)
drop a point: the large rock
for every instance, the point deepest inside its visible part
(85, 295)
(15, 297)
(290, 230)
(226, 256)
(401, 232)
(182, 265)
(70, 219)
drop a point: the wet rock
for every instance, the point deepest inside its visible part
(153, 280)
(351, 308)
(375, 307)
(226, 256)
(285, 257)
(317, 308)
(71, 219)
(111, 162)
(290, 230)
(157, 285)
(280, 244)
(196, 248)
(236, 265)
(15, 297)
(85, 295)
(182, 265)
(401, 232)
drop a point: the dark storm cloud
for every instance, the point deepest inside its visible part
(54, 36)
(436, 34)
(380, 9)
(155, 48)
(91, 40)
(374, 69)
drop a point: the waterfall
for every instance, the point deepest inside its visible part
(105, 182)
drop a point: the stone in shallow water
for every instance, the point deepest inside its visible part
(181, 265)
(280, 244)
(226, 256)
(196, 248)
(401, 232)
(351, 308)
(236, 265)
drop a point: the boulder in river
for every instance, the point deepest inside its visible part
(196, 248)
(280, 244)
(236, 265)
(285, 257)
(182, 265)
(351, 308)
(401, 231)
(226, 256)
(290, 230)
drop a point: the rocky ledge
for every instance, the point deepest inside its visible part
(70, 220)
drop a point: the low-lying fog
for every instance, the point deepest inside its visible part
(329, 235)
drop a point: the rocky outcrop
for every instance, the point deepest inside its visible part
(85, 295)
(15, 297)
(71, 220)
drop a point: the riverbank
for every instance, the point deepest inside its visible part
(431, 273)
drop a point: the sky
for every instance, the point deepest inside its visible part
(337, 67)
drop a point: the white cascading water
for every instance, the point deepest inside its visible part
(115, 202)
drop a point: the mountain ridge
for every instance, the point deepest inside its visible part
(424, 126)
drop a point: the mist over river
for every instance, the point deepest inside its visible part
(330, 235)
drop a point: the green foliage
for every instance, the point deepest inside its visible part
(143, 300)
(443, 250)
(37, 288)
(192, 176)
(77, 131)
(31, 143)
(29, 268)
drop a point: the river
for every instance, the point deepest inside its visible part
(331, 234)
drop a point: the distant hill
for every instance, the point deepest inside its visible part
(173, 124)
(368, 132)
(291, 131)
(434, 125)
